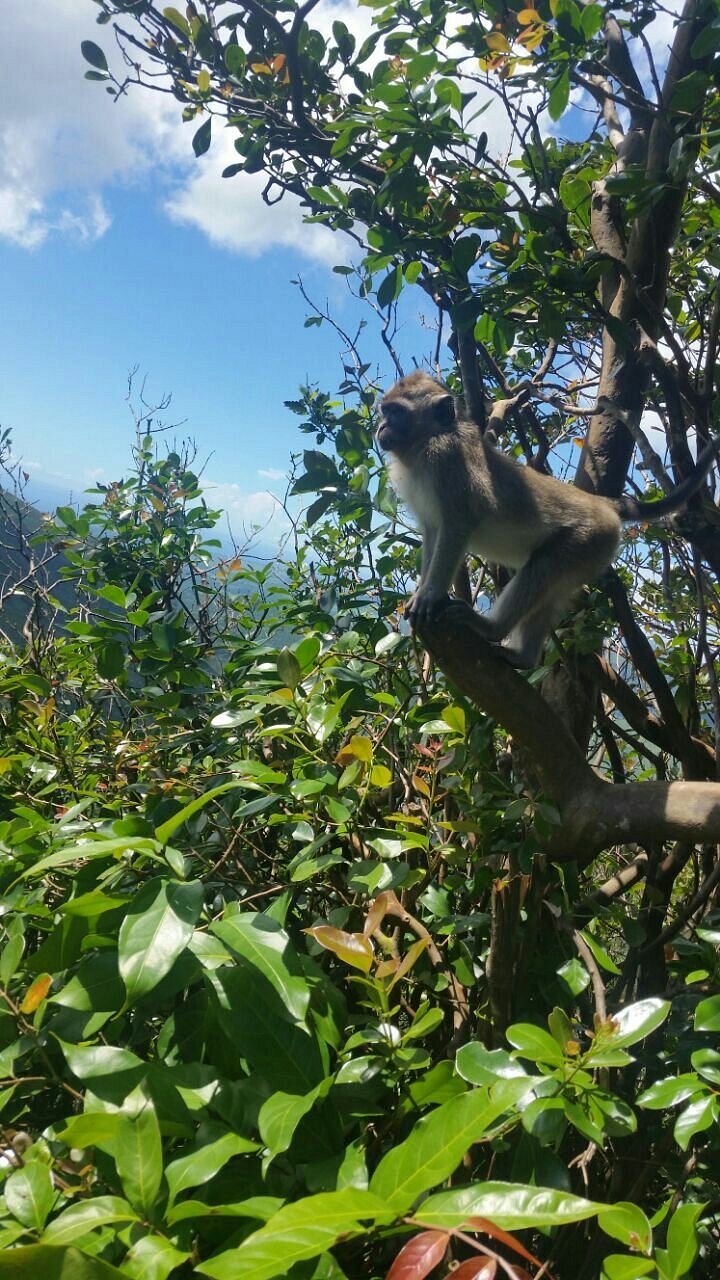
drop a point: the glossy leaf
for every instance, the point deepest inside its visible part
(153, 1257)
(29, 1194)
(696, 1118)
(138, 1156)
(419, 1256)
(352, 948)
(155, 932)
(637, 1021)
(259, 940)
(199, 1166)
(534, 1043)
(434, 1148)
(84, 1216)
(30, 1262)
(627, 1223)
(707, 1014)
(297, 1232)
(507, 1205)
(683, 1244)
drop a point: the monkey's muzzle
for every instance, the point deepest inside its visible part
(395, 426)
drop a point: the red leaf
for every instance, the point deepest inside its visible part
(512, 1242)
(474, 1269)
(418, 1257)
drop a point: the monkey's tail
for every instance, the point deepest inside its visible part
(632, 509)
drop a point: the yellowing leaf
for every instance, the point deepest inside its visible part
(531, 38)
(380, 776)
(414, 952)
(526, 16)
(375, 915)
(36, 993)
(278, 62)
(203, 80)
(260, 68)
(421, 785)
(352, 948)
(497, 41)
(358, 748)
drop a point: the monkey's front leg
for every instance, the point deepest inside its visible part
(443, 549)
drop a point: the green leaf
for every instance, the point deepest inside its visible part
(93, 54)
(88, 1062)
(299, 1231)
(259, 940)
(280, 1116)
(110, 659)
(534, 1043)
(545, 1119)
(707, 1063)
(84, 1216)
(177, 20)
(618, 1266)
(434, 1148)
(683, 1244)
(152, 1258)
(277, 1045)
(235, 60)
(390, 288)
(138, 1156)
(92, 1128)
(288, 668)
(260, 1207)
(507, 1205)
(45, 1262)
(198, 1167)
(29, 1194)
(201, 140)
(574, 975)
(627, 1222)
(484, 1066)
(707, 1014)
(637, 1021)
(670, 1091)
(168, 828)
(700, 1115)
(559, 96)
(155, 932)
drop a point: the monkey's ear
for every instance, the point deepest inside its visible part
(445, 410)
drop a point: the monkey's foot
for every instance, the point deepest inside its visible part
(423, 606)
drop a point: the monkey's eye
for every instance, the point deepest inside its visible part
(394, 413)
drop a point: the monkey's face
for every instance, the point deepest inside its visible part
(415, 409)
(395, 432)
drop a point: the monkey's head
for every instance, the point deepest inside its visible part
(416, 408)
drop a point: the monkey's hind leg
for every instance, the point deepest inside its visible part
(524, 645)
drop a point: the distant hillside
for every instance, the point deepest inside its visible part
(20, 522)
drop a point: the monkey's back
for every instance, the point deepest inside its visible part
(506, 511)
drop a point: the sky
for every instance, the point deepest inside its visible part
(119, 249)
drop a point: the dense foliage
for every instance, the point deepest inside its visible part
(316, 961)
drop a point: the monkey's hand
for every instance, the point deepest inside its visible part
(423, 605)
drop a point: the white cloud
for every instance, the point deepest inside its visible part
(64, 143)
(62, 139)
(248, 511)
(231, 212)
(272, 474)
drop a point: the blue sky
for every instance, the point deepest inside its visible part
(118, 248)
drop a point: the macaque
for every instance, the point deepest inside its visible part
(469, 496)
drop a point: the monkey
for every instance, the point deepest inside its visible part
(469, 496)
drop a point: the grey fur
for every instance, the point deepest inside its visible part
(468, 496)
